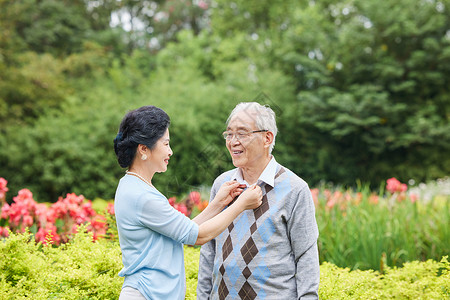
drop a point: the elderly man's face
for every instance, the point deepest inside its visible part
(246, 150)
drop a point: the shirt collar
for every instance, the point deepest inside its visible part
(267, 176)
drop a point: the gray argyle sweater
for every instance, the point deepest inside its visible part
(266, 253)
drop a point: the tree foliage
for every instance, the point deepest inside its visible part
(360, 88)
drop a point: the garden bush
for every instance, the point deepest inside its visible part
(80, 269)
(84, 269)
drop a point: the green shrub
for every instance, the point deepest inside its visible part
(83, 269)
(416, 280)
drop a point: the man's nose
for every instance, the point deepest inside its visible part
(234, 140)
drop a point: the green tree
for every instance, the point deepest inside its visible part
(373, 97)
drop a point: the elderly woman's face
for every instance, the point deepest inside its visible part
(161, 153)
(246, 148)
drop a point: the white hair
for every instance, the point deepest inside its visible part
(263, 116)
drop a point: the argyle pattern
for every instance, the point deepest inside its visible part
(267, 253)
(248, 250)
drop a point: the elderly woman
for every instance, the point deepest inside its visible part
(151, 231)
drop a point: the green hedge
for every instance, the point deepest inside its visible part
(86, 270)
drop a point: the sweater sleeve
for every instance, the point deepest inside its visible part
(206, 264)
(303, 232)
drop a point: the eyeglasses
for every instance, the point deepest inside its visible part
(240, 135)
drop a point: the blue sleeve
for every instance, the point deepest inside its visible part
(157, 214)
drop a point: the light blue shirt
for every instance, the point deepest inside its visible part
(151, 236)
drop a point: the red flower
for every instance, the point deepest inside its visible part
(315, 196)
(5, 211)
(393, 186)
(48, 233)
(195, 197)
(413, 198)
(110, 208)
(181, 207)
(27, 221)
(373, 199)
(98, 222)
(3, 188)
(4, 231)
(203, 5)
(172, 200)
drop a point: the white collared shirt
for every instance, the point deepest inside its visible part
(267, 176)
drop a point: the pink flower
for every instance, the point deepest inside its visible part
(87, 207)
(3, 188)
(358, 198)
(403, 187)
(393, 186)
(195, 197)
(48, 233)
(181, 208)
(24, 195)
(334, 199)
(172, 200)
(27, 221)
(5, 211)
(41, 213)
(203, 5)
(110, 208)
(413, 197)
(4, 232)
(373, 199)
(98, 222)
(331, 203)
(315, 196)
(3, 183)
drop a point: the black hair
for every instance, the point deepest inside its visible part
(145, 125)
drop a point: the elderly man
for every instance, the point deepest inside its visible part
(270, 252)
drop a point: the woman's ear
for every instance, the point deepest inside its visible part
(143, 151)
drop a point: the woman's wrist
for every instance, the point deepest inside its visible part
(215, 206)
(219, 203)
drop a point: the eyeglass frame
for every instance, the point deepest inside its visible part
(235, 134)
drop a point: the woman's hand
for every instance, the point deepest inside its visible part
(209, 227)
(251, 198)
(227, 192)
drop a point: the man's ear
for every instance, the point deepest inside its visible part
(268, 139)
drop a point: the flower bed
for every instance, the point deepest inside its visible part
(58, 222)
(366, 230)
(359, 229)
